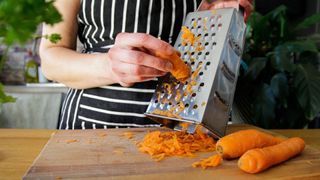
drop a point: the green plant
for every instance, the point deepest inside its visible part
(19, 19)
(279, 84)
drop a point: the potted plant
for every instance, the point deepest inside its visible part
(279, 83)
(19, 20)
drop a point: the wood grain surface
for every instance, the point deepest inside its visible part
(107, 154)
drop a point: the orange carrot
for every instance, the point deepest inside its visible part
(180, 70)
(211, 161)
(257, 160)
(236, 144)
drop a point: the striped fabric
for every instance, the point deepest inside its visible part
(99, 23)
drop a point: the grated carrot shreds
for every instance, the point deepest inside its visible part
(187, 36)
(167, 86)
(184, 126)
(199, 48)
(102, 134)
(178, 96)
(194, 24)
(175, 143)
(211, 161)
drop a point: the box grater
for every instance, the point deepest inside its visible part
(206, 97)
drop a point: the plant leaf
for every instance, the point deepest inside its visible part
(264, 106)
(301, 46)
(19, 19)
(281, 59)
(307, 84)
(309, 21)
(279, 87)
(256, 66)
(5, 98)
(280, 10)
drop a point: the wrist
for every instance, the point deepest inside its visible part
(102, 68)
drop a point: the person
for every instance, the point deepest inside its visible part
(112, 81)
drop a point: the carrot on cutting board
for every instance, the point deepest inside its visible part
(236, 144)
(180, 70)
(257, 160)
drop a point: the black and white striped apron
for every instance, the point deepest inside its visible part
(99, 22)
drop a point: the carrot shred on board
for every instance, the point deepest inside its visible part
(128, 135)
(236, 144)
(68, 141)
(103, 134)
(211, 161)
(175, 143)
(260, 159)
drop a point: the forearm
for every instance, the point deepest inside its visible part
(74, 69)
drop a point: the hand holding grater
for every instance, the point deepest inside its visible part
(206, 97)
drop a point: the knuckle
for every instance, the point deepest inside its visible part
(119, 37)
(160, 64)
(113, 52)
(163, 46)
(144, 37)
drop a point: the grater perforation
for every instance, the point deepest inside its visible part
(205, 97)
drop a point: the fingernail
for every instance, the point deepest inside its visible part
(169, 66)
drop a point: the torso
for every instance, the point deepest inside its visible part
(116, 106)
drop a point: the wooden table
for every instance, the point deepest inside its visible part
(19, 147)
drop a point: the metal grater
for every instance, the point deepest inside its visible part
(206, 99)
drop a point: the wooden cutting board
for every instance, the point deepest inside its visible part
(108, 154)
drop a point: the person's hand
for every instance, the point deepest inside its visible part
(132, 58)
(246, 4)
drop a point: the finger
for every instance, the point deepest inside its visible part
(204, 6)
(224, 4)
(142, 40)
(140, 58)
(248, 7)
(130, 80)
(126, 84)
(137, 70)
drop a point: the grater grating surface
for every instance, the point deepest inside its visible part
(206, 97)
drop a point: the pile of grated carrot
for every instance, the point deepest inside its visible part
(175, 143)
